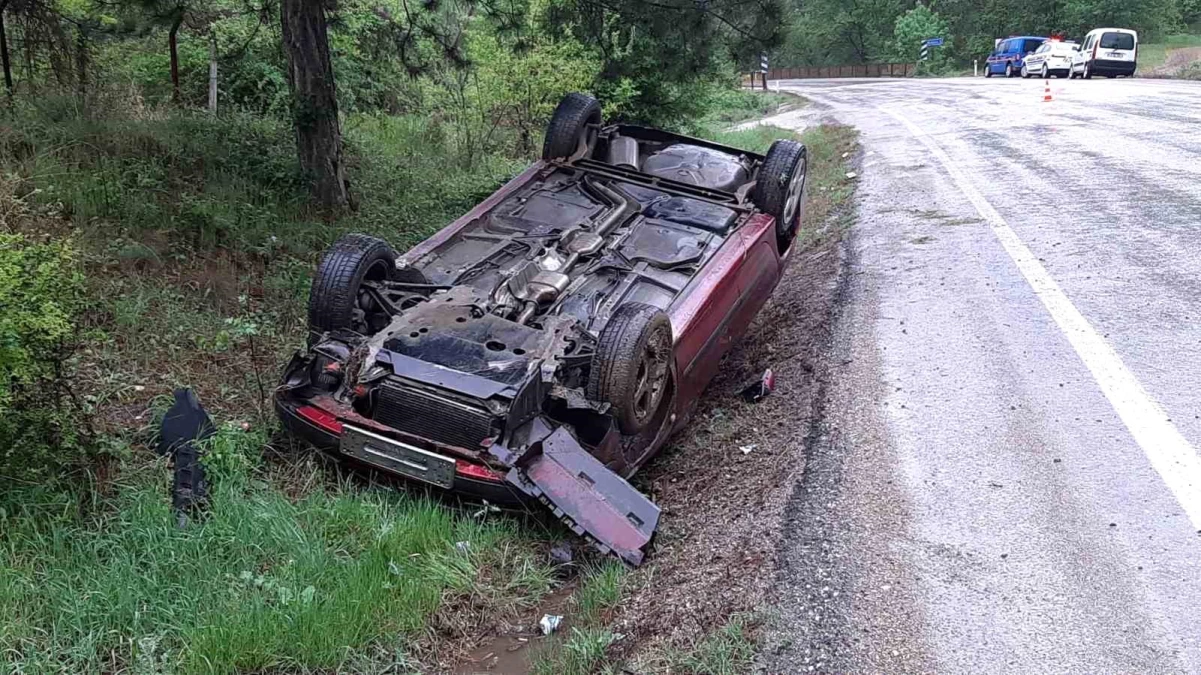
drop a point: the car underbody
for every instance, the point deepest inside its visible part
(527, 352)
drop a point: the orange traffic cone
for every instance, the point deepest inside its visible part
(1047, 92)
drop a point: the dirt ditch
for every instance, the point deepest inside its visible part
(724, 483)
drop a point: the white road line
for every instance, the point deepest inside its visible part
(1169, 452)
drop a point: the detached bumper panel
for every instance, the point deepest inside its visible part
(397, 457)
(589, 498)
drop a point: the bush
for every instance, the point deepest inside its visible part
(40, 295)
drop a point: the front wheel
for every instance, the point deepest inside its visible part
(780, 188)
(1046, 74)
(1025, 73)
(336, 298)
(631, 368)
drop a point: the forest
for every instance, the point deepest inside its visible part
(839, 32)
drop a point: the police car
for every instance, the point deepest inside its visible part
(1054, 57)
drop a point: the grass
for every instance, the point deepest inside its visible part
(729, 650)
(326, 581)
(1154, 55)
(584, 647)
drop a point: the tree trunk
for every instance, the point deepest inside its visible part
(173, 47)
(314, 103)
(213, 73)
(82, 62)
(8, 71)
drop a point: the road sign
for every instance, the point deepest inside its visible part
(933, 42)
(763, 62)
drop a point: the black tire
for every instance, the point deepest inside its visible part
(334, 295)
(1009, 70)
(987, 70)
(576, 122)
(780, 189)
(631, 368)
(1088, 71)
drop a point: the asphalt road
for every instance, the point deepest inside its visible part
(1007, 477)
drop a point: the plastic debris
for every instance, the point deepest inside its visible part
(550, 623)
(852, 175)
(760, 387)
(747, 449)
(463, 547)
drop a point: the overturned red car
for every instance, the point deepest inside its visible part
(545, 345)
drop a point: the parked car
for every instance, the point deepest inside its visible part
(544, 346)
(1010, 55)
(1106, 51)
(1054, 57)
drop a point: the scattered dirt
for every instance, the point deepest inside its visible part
(724, 483)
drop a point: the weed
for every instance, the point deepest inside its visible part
(727, 651)
(263, 583)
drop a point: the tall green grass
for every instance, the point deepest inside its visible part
(332, 580)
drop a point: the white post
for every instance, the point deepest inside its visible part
(213, 73)
(976, 68)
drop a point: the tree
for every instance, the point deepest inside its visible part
(919, 23)
(314, 101)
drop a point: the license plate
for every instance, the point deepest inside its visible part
(397, 457)
(1116, 55)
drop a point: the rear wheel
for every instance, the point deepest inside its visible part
(336, 300)
(1008, 70)
(780, 188)
(573, 128)
(1088, 71)
(632, 365)
(987, 70)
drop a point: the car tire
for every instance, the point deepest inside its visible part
(1025, 72)
(573, 126)
(1088, 72)
(1009, 70)
(1046, 73)
(987, 70)
(631, 369)
(334, 295)
(780, 188)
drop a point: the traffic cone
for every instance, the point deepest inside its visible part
(1047, 92)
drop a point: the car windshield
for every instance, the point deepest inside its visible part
(1117, 41)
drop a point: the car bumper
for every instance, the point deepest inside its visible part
(476, 489)
(1103, 67)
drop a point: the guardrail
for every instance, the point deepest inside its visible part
(813, 72)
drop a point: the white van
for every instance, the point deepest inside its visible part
(1106, 51)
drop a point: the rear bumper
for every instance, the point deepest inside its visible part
(493, 492)
(1103, 67)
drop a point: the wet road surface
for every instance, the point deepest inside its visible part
(1007, 477)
